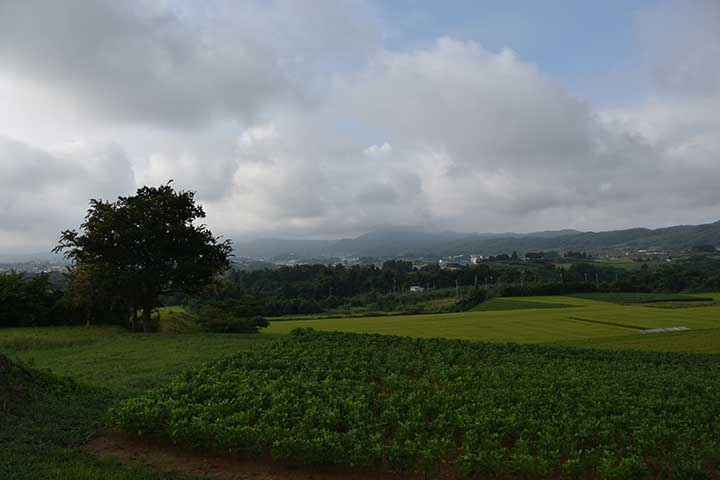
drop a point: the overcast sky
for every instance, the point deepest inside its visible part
(330, 118)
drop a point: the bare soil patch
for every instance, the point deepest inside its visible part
(125, 449)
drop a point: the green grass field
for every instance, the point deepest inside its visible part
(111, 358)
(111, 364)
(42, 439)
(501, 303)
(636, 298)
(551, 319)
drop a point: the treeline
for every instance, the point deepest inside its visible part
(311, 289)
(308, 289)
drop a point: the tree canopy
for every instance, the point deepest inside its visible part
(147, 245)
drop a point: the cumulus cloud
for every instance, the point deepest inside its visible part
(292, 118)
(174, 63)
(681, 42)
(378, 150)
(44, 192)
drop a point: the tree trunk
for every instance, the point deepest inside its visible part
(146, 319)
(133, 319)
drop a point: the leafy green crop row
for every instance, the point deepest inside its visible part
(447, 407)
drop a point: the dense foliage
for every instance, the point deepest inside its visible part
(28, 301)
(445, 407)
(231, 316)
(310, 289)
(143, 246)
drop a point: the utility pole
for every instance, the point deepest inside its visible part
(476, 281)
(394, 285)
(457, 289)
(597, 281)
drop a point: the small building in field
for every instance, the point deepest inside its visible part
(417, 289)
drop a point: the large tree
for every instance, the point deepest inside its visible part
(147, 245)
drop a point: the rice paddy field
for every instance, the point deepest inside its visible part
(600, 320)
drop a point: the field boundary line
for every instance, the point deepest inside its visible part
(601, 322)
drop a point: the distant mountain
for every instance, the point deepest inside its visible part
(402, 242)
(382, 243)
(416, 243)
(273, 247)
(392, 243)
(669, 238)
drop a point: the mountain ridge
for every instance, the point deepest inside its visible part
(413, 242)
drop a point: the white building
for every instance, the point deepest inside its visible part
(417, 289)
(475, 259)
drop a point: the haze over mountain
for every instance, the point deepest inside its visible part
(394, 243)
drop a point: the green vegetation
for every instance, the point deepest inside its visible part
(130, 252)
(45, 421)
(231, 316)
(28, 301)
(440, 406)
(630, 298)
(699, 341)
(577, 319)
(114, 359)
(500, 303)
(109, 364)
(51, 419)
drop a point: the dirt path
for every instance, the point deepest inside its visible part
(125, 449)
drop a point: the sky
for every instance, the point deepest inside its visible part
(332, 118)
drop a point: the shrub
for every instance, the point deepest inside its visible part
(28, 301)
(475, 298)
(231, 316)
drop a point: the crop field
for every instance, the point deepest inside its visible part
(447, 408)
(110, 365)
(636, 298)
(515, 304)
(42, 438)
(696, 341)
(561, 319)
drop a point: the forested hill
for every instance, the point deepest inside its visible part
(384, 243)
(669, 238)
(409, 242)
(394, 243)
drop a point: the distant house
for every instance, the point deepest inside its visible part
(417, 289)
(476, 259)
